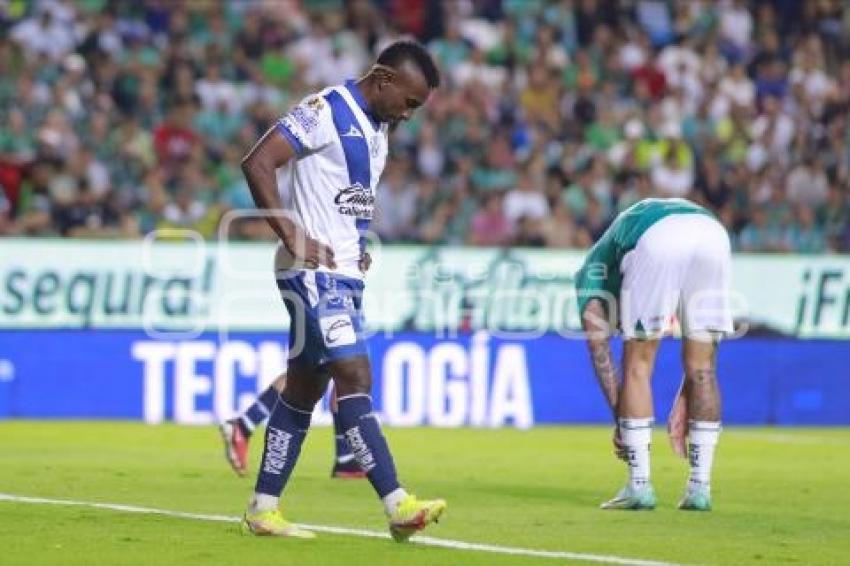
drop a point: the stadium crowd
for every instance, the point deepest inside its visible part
(121, 117)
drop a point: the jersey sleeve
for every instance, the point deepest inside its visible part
(599, 276)
(308, 126)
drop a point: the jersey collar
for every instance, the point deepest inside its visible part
(355, 91)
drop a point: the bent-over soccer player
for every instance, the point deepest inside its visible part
(659, 258)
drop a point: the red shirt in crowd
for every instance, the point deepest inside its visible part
(173, 143)
(650, 77)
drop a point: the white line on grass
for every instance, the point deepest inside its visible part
(423, 540)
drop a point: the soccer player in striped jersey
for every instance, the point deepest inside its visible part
(333, 147)
(660, 258)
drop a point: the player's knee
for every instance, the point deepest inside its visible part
(638, 369)
(353, 380)
(637, 375)
(303, 388)
(303, 400)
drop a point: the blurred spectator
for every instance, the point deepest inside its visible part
(477, 71)
(451, 48)
(592, 226)
(490, 226)
(772, 134)
(577, 195)
(804, 236)
(90, 216)
(711, 186)
(758, 235)
(540, 99)
(736, 89)
(772, 79)
(649, 82)
(639, 188)
(214, 91)
(656, 19)
(736, 29)
(807, 183)
(834, 216)
(174, 139)
(43, 34)
(671, 178)
(395, 205)
(808, 73)
(528, 233)
(430, 157)
(526, 200)
(558, 229)
(187, 215)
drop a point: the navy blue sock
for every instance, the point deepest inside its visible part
(285, 433)
(259, 411)
(343, 450)
(364, 436)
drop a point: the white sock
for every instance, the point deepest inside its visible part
(702, 438)
(263, 502)
(636, 435)
(392, 500)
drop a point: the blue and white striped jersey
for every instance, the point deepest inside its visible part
(341, 151)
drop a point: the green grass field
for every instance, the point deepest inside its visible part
(781, 496)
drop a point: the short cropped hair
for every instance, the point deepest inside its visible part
(405, 50)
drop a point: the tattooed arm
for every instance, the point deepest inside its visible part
(597, 329)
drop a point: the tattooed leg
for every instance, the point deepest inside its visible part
(703, 398)
(700, 359)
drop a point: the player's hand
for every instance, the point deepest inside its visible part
(365, 262)
(677, 426)
(309, 251)
(619, 448)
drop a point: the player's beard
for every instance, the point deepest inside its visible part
(394, 124)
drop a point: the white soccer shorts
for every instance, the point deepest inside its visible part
(681, 266)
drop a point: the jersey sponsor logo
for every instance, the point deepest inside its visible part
(353, 132)
(355, 200)
(307, 118)
(337, 330)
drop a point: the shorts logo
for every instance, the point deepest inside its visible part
(337, 330)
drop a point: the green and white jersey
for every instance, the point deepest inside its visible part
(601, 271)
